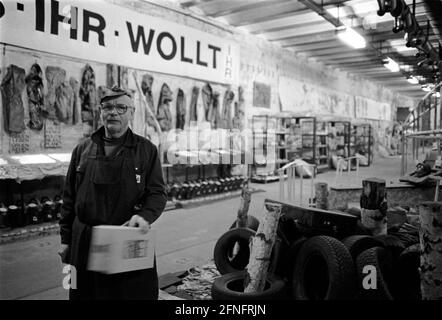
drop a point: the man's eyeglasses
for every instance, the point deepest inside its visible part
(120, 108)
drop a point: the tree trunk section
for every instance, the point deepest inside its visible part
(261, 249)
(321, 195)
(374, 205)
(430, 235)
(246, 196)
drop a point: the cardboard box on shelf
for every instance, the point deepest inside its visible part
(116, 249)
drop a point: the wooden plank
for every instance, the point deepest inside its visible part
(163, 295)
(317, 221)
(168, 280)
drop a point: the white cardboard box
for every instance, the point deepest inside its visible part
(116, 249)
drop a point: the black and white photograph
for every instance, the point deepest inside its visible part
(221, 155)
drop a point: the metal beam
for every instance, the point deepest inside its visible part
(331, 35)
(326, 44)
(344, 49)
(262, 14)
(344, 57)
(311, 27)
(306, 16)
(285, 12)
(322, 12)
(373, 63)
(380, 73)
(365, 66)
(344, 63)
(390, 79)
(339, 48)
(192, 3)
(309, 39)
(349, 58)
(246, 7)
(288, 33)
(301, 17)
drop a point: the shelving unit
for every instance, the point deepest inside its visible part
(322, 146)
(361, 140)
(339, 137)
(314, 147)
(282, 133)
(261, 125)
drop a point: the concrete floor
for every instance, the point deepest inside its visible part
(185, 238)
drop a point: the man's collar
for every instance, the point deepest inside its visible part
(100, 132)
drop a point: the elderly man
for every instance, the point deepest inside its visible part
(114, 178)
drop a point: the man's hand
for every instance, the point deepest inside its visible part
(137, 221)
(64, 252)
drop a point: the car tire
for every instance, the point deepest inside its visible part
(252, 223)
(230, 286)
(407, 275)
(324, 270)
(359, 243)
(381, 259)
(289, 259)
(392, 244)
(224, 260)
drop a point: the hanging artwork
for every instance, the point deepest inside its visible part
(261, 95)
(12, 87)
(34, 90)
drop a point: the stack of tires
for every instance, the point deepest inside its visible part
(202, 187)
(320, 267)
(231, 255)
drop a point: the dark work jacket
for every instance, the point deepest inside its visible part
(12, 87)
(109, 198)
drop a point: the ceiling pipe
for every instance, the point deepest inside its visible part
(322, 12)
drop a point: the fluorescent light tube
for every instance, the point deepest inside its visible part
(391, 65)
(426, 88)
(352, 38)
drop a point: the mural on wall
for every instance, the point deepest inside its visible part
(300, 97)
(371, 109)
(261, 95)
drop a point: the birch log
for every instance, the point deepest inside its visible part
(430, 235)
(261, 250)
(246, 196)
(374, 205)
